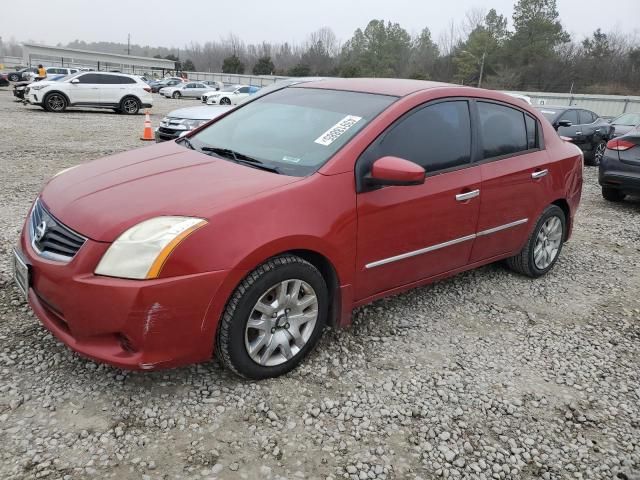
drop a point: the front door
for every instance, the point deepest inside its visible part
(406, 234)
(86, 90)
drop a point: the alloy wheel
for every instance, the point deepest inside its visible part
(225, 101)
(548, 243)
(281, 322)
(130, 105)
(599, 153)
(56, 102)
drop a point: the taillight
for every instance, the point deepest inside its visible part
(620, 145)
(147, 89)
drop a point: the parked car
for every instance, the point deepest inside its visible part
(166, 255)
(524, 98)
(184, 120)
(624, 123)
(582, 127)
(214, 84)
(231, 95)
(619, 172)
(156, 86)
(30, 75)
(17, 76)
(19, 88)
(118, 91)
(188, 90)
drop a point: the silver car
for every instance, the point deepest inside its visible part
(189, 90)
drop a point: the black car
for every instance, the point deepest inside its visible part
(586, 129)
(17, 76)
(624, 123)
(619, 173)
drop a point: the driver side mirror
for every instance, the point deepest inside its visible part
(75, 80)
(395, 171)
(562, 123)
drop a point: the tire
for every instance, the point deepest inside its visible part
(14, 77)
(225, 101)
(129, 106)
(176, 95)
(612, 194)
(598, 153)
(55, 102)
(542, 239)
(273, 321)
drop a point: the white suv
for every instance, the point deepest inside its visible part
(118, 91)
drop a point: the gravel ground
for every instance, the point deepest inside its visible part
(486, 375)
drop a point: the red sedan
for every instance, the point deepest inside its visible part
(249, 235)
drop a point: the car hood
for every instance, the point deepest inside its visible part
(103, 198)
(204, 112)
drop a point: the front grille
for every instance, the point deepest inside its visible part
(50, 238)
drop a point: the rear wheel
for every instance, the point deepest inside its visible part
(129, 105)
(55, 102)
(612, 194)
(14, 77)
(598, 153)
(273, 319)
(544, 245)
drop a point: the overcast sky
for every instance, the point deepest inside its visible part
(174, 23)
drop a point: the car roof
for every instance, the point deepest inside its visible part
(396, 87)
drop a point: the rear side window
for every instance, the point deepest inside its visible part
(502, 130)
(436, 137)
(92, 78)
(120, 79)
(585, 117)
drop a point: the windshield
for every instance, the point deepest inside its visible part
(295, 130)
(630, 119)
(69, 77)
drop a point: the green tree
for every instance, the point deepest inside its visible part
(537, 32)
(424, 53)
(232, 64)
(379, 51)
(597, 47)
(188, 65)
(264, 66)
(299, 70)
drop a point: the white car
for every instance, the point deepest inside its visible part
(231, 95)
(191, 89)
(118, 91)
(29, 75)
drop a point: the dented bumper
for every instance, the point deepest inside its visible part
(131, 324)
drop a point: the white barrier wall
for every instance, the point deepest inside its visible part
(603, 105)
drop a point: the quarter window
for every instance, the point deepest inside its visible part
(532, 131)
(502, 130)
(436, 137)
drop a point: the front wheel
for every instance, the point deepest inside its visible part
(55, 102)
(598, 153)
(543, 246)
(273, 319)
(176, 95)
(225, 101)
(14, 77)
(129, 106)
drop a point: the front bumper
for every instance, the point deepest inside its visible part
(130, 324)
(164, 134)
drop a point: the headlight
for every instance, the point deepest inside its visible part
(37, 87)
(140, 252)
(191, 124)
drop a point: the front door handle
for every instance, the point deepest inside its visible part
(578, 133)
(463, 197)
(539, 174)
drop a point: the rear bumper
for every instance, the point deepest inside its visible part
(614, 173)
(136, 325)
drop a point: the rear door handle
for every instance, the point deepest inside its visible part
(578, 133)
(539, 174)
(462, 197)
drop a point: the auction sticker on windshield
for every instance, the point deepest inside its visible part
(335, 132)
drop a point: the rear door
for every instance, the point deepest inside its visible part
(406, 234)
(515, 178)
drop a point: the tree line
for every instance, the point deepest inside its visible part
(535, 54)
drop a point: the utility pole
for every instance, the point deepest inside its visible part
(484, 55)
(128, 44)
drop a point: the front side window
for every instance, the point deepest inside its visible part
(571, 116)
(93, 78)
(502, 130)
(243, 90)
(436, 137)
(295, 130)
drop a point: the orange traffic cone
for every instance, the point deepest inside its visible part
(147, 133)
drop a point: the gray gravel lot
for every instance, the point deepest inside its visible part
(486, 375)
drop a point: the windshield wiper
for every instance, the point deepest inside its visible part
(240, 158)
(187, 142)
